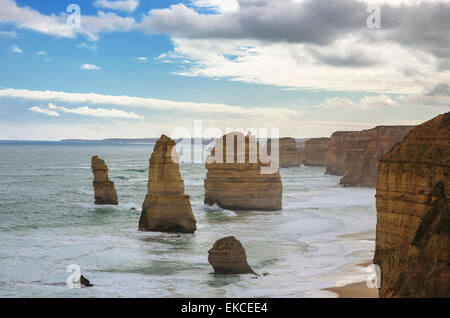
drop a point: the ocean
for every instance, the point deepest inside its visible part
(48, 221)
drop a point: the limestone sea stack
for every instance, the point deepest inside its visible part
(228, 256)
(290, 156)
(166, 208)
(315, 151)
(104, 190)
(413, 213)
(239, 182)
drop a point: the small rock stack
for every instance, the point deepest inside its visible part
(104, 191)
(228, 256)
(166, 208)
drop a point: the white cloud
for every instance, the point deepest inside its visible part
(367, 102)
(96, 112)
(120, 5)
(40, 110)
(41, 53)
(55, 25)
(88, 46)
(8, 34)
(90, 67)
(142, 59)
(15, 49)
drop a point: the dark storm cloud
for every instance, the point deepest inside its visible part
(441, 89)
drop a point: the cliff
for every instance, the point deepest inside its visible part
(166, 208)
(413, 214)
(364, 151)
(290, 156)
(235, 179)
(104, 191)
(315, 151)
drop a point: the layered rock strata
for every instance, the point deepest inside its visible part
(413, 213)
(315, 151)
(227, 256)
(104, 190)
(290, 156)
(166, 208)
(236, 179)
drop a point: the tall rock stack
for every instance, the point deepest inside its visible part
(290, 156)
(104, 191)
(166, 208)
(364, 151)
(236, 185)
(315, 151)
(336, 153)
(413, 212)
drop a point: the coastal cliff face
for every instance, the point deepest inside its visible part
(364, 151)
(315, 151)
(413, 214)
(290, 156)
(227, 256)
(239, 184)
(166, 208)
(104, 190)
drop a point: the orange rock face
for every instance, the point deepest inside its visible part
(290, 156)
(166, 208)
(104, 191)
(355, 154)
(315, 151)
(235, 180)
(413, 214)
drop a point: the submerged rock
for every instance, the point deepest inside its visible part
(85, 282)
(240, 182)
(166, 208)
(315, 151)
(228, 256)
(413, 213)
(104, 191)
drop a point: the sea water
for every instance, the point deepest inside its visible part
(48, 221)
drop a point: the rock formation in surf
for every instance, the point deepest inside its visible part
(315, 151)
(290, 156)
(228, 256)
(355, 155)
(104, 191)
(413, 213)
(237, 179)
(166, 208)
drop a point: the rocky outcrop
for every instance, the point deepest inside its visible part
(166, 208)
(413, 214)
(315, 151)
(355, 154)
(364, 151)
(237, 181)
(85, 282)
(290, 156)
(104, 191)
(228, 256)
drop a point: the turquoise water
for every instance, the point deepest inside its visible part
(48, 221)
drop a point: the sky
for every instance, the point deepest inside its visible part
(140, 68)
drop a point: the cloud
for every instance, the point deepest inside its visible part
(142, 59)
(198, 109)
(55, 25)
(41, 53)
(8, 34)
(96, 112)
(48, 112)
(15, 49)
(120, 5)
(90, 67)
(367, 102)
(88, 46)
(220, 6)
